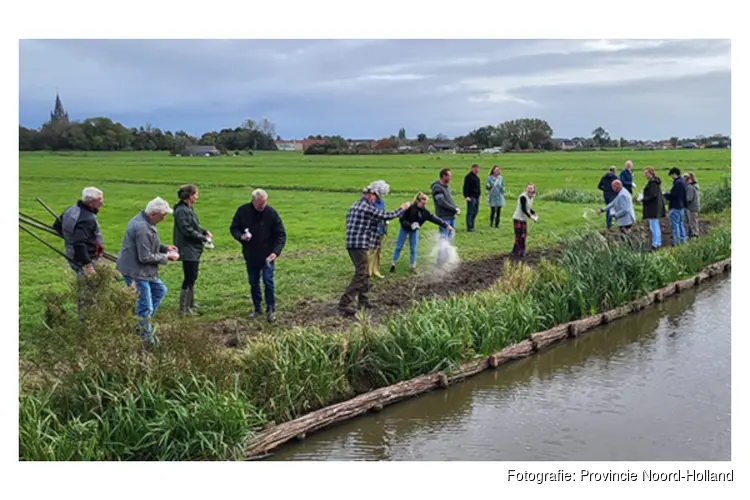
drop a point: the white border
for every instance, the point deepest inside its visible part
(383, 19)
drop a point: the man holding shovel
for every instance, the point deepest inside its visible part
(258, 227)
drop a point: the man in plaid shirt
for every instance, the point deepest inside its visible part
(361, 231)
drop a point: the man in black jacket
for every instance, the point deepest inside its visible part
(259, 228)
(82, 236)
(605, 185)
(677, 198)
(79, 228)
(472, 191)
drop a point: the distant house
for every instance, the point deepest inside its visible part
(567, 144)
(306, 143)
(445, 146)
(196, 150)
(292, 145)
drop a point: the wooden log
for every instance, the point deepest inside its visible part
(668, 290)
(573, 330)
(443, 380)
(643, 302)
(544, 339)
(685, 284)
(280, 434)
(469, 369)
(586, 324)
(515, 351)
(659, 296)
(701, 277)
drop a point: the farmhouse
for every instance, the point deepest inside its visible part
(567, 144)
(196, 150)
(292, 145)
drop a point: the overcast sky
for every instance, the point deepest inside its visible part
(371, 88)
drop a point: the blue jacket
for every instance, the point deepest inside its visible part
(380, 205)
(677, 197)
(627, 180)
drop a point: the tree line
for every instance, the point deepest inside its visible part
(102, 134)
(524, 134)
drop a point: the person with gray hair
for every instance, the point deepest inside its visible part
(140, 257)
(258, 228)
(81, 233)
(82, 237)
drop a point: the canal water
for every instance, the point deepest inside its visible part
(652, 386)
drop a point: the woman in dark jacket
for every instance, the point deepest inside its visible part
(189, 237)
(410, 222)
(653, 206)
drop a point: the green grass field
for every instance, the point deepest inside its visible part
(312, 195)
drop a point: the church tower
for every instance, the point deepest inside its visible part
(59, 115)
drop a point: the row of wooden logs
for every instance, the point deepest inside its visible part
(375, 400)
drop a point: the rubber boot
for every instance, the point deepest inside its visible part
(376, 263)
(184, 302)
(191, 302)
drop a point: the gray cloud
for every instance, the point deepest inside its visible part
(373, 87)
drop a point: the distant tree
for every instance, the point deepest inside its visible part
(674, 141)
(266, 127)
(402, 134)
(600, 136)
(421, 137)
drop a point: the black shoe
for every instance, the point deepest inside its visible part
(253, 315)
(271, 316)
(345, 311)
(393, 268)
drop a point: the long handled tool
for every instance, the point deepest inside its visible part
(46, 207)
(48, 245)
(34, 223)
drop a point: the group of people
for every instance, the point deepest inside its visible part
(683, 199)
(367, 222)
(259, 229)
(256, 226)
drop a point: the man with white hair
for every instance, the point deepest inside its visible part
(626, 177)
(80, 230)
(621, 207)
(258, 227)
(140, 257)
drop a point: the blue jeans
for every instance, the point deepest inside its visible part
(677, 225)
(472, 209)
(607, 201)
(446, 235)
(653, 225)
(401, 240)
(254, 273)
(150, 295)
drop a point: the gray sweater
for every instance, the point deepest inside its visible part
(142, 252)
(693, 195)
(445, 208)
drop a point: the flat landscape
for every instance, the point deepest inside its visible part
(312, 195)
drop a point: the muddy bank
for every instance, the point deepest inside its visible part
(390, 296)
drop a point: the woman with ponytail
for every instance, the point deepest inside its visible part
(189, 238)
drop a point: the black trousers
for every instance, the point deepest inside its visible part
(495, 216)
(190, 274)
